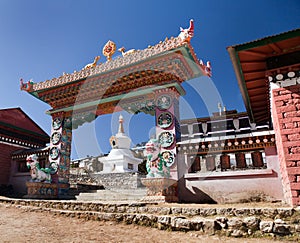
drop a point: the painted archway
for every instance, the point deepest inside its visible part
(146, 80)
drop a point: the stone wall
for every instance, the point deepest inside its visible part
(230, 221)
(286, 121)
(126, 180)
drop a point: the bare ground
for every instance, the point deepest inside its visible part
(19, 225)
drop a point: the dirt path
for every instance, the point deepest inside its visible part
(18, 225)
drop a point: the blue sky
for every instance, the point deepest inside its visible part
(42, 39)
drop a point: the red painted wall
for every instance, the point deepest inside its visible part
(5, 162)
(286, 122)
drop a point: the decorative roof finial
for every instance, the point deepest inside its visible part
(26, 86)
(93, 64)
(109, 49)
(122, 50)
(186, 34)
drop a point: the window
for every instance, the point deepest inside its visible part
(42, 163)
(22, 167)
(130, 166)
(196, 166)
(228, 162)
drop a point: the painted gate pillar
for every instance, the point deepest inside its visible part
(60, 150)
(162, 177)
(168, 127)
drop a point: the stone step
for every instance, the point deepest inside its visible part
(113, 195)
(259, 220)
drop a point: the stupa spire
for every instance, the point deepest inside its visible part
(121, 128)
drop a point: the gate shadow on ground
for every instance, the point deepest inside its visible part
(195, 196)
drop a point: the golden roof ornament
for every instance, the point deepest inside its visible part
(93, 64)
(109, 49)
(122, 50)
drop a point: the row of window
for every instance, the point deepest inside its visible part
(232, 161)
(22, 167)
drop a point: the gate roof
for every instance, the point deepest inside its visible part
(136, 75)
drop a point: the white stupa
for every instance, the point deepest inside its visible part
(120, 158)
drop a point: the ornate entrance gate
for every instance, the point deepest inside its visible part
(146, 80)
